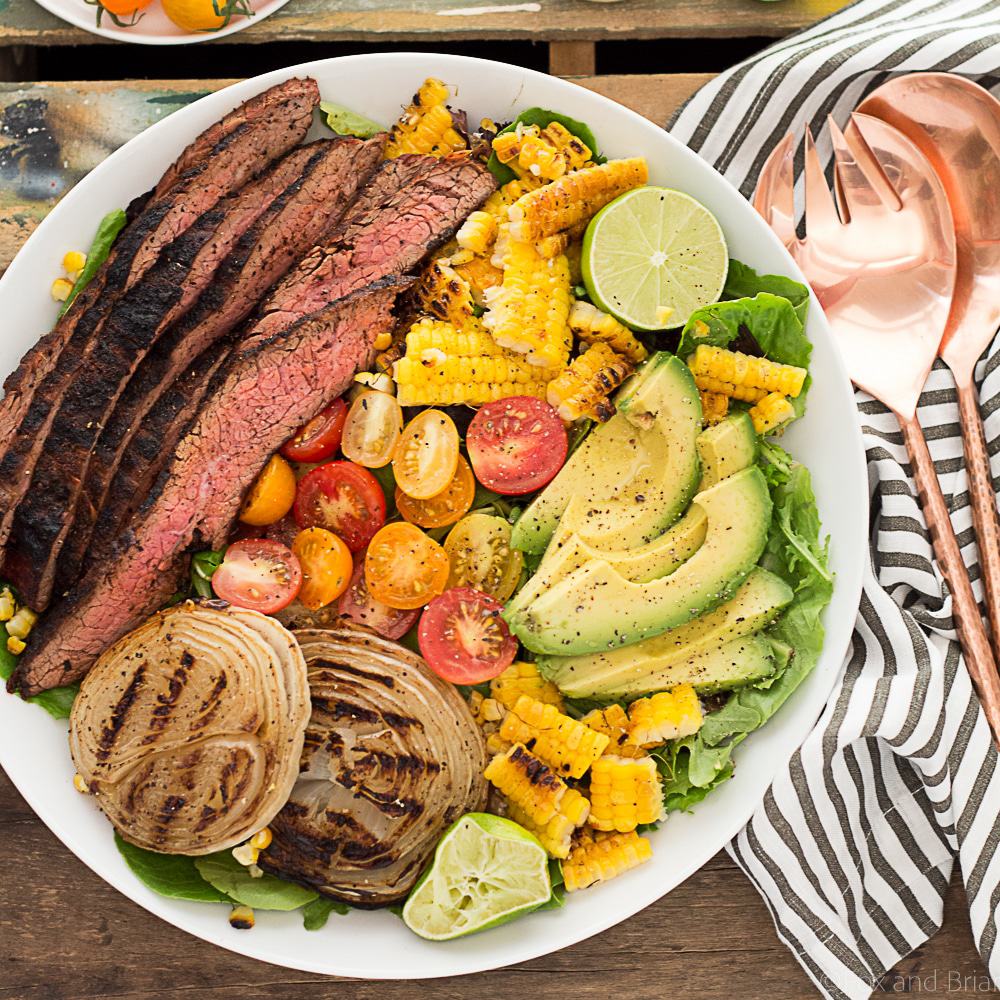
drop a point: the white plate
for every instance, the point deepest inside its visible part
(377, 945)
(154, 28)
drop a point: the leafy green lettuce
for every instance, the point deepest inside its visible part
(57, 701)
(107, 232)
(316, 913)
(543, 118)
(743, 282)
(222, 871)
(171, 875)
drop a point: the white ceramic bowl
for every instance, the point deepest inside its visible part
(377, 945)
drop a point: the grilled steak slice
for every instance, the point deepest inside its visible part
(298, 218)
(268, 390)
(412, 205)
(34, 390)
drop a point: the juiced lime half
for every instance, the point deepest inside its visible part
(486, 871)
(654, 256)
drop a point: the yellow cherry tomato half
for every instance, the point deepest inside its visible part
(427, 455)
(371, 431)
(480, 555)
(404, 568)
(447, 507)
(272, 494)
(326, 566)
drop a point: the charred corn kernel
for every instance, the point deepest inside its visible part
(556, 836)
(744, 369)
(437, 335)
(241, 917)
(668, 715)
(603, 856)
(246, 854)
(262, 839)
(533, 787)
(745, 393)
(714, 406)
(491, 710)
(7, 605)
(613, 721)
(482, 275)
(624, 793)
(573, 198)
(478, 232)
(529, 312)
(563, 743)
(553, 246)
(584, 388)
(426, 126)
(446, 295)
(80, 785)
(771, 412)
(594, 326)
(74, 260)
(379, 381)
(15, 646)
(61, 289)
(546, 153)
(22, 623)
(383, 341)
(523, 678)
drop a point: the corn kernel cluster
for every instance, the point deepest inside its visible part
(73, 263)
(18, 620)
(427, 125)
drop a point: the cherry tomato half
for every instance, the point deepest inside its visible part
(445, 508)
(463, 638)
(371, 431)
(343, 498)
(427, 455)
(479, 551)
(320, 438)
(272, 494)
(258, 574)
(404, 567)
(516, 444)
(358, 604)
(326, 566)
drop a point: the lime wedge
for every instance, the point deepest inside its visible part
(486, 871)
(654, 256)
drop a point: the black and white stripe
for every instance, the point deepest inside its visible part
(853, 847)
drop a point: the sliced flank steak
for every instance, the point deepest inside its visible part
(34, 390)
(269, 390)
(298, 218)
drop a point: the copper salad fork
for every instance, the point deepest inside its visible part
(880, 254)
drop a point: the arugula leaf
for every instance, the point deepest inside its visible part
(228, 876)
(344, 121)
(681, 789)
(743, 282)
(543, 118)
(203, 567)
(100, 247)
(56, 701)
(316, 913)
(172, 875)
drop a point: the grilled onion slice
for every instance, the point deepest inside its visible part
(189, 729)
(392, 756)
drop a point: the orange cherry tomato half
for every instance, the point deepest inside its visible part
(371, 431)
(358, 604)
(326, 566)
(272, 494)
(123, 8)
(404, 567)
(447, 507)
(318, 439)
(427, 455)
(258, 574)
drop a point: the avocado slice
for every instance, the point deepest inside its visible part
(641, 668)
(596, 608)
(635, 474)
(726, 448)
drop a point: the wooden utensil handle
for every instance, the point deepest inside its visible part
(971, 632)
(984, 505)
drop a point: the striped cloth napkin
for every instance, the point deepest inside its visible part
(854, 844)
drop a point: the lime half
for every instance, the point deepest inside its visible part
(486, 871)
(654, 256)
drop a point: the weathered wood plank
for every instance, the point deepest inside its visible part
(572, 58)
(24, 22)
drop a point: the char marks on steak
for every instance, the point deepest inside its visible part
(326, 181)
(269, 389)
(35, 389)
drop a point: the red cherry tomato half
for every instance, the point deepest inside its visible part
(320, 438)
(358, 604)
(258, 574)
(463, 638)
(516, 445)
(343, 498)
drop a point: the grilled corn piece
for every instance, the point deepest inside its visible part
(482, 275)
(528, 312)
(601, 857)
(426, 126)
(534, 788)
(556, 836)
(446, 295)
(714, 406)
(488, 713)
(668, 715)
(478, 232)
(523, 678)
(624, 793)
(614, 722)
(771, 412)
(744, 393)
(594, 326)
(547, 152)
(746, 370)
(584, 389)
(566, 745)
(7, 605)
(573, 198)
(22, 622)
(427, 336)
(500, 200)
(15, 646)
